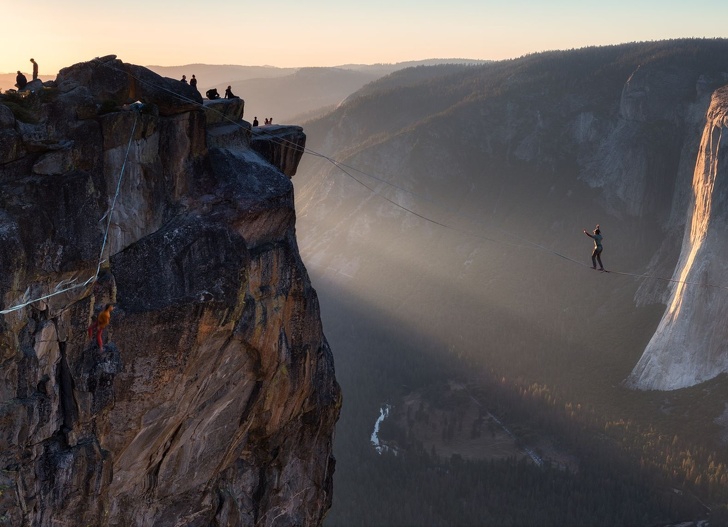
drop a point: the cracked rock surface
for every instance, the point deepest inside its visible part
(213, 400)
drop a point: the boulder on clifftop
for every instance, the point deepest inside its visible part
(110, 79)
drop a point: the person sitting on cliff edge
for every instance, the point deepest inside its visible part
(229, 94)
(20, 80)
(100, 324)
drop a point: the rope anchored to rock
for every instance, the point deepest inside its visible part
(65, 285)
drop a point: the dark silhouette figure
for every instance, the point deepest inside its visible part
(184, 79)
(270, 120)
(20, 80)
(229, 94)
(100, 324)
(212, 94)
(597, 252)
(266, 123)
(35, 69)
(255, 121)
(193, 82)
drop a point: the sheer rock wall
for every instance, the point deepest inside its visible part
(689, 345)
(213, 401)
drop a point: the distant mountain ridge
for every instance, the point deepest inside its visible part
(214, 74)
(288, 94)
(233, 72)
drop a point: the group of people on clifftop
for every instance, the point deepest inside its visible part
(21, 81)
(268, 121)
(212, 94)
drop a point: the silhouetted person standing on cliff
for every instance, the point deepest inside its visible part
(193, 82)
(184, 79)
(35, 69)
(597, 252)
(100, 324)
(20, 80)
(255, 121)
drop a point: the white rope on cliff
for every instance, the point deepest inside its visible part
(116, 194)
(108, 214)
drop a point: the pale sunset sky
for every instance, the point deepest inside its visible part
(288, 33)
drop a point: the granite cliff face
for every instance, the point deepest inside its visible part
(689, 345)
(214, 400)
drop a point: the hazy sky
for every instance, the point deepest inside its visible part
(332, 32)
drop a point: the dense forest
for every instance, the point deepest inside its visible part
(647, 469)
(644, 459)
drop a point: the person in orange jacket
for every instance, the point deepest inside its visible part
(100, 324)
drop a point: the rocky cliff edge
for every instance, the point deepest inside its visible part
(213, 400)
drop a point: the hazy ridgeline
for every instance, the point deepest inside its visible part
(289, 95)
(486, 282)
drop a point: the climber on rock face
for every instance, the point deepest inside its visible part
(100, 324)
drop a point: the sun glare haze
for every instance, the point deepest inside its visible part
(327, 33)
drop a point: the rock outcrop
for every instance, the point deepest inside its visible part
(282, 146)
(690, 343)
(213, 401)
